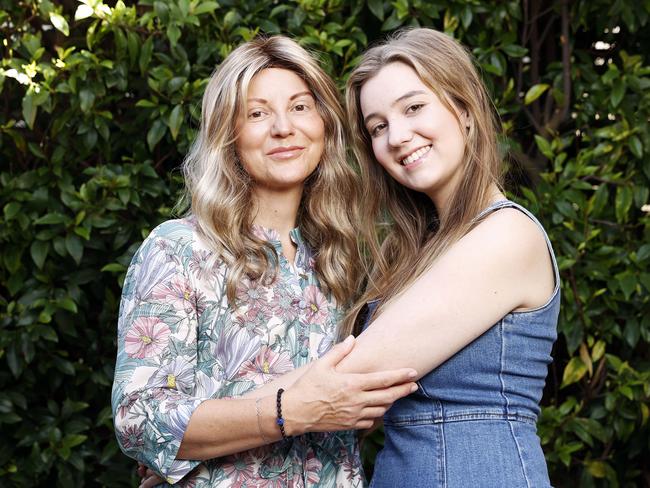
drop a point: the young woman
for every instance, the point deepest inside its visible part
(464, 288)
(248, 287)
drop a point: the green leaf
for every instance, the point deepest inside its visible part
(83, 12)
(574, 371)
(597, 469)
(75, 247)
(60, 23)
(114, 267)
(598, 350)
(50, 219)
(11, 210)
(155, 133)
(623, 203)
(175, 120)
(68, 304)
(174, 34)
(544, 146)
(205, 8)
(534, 92)
(627, 282)
(29, 109)
(86, 99)
(39, 250)
(636, 147)
(377, 8)
(618, 91)
(145, 55)
(643, 253)
(391, 22)
(514, 50)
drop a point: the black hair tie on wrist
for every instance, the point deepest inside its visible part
(280, 420)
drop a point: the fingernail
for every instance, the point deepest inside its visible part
(348, 339)
(414, 388)
(413, 373)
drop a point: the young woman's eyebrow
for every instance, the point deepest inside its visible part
(409, 94)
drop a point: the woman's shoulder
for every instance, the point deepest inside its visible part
(181, 229)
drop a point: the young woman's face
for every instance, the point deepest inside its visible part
(281, 136)
(417, 140)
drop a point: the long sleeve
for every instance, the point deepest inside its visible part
(157, 358)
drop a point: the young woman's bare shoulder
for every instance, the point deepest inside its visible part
(510, 234)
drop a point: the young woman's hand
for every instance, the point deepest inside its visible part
(323, 399)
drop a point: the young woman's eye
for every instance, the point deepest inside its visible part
(301, 107)
(376, 129)
(414, 108)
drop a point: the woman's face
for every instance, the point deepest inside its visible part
(281, 135)
(417, 140)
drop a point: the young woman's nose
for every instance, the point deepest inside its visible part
(282, 126)
(399, 134)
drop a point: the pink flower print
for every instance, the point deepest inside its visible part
(316, 306)
(147, 337)
(131, 437)
(177, 293)
(252, 293)
(127, 403)
(267, 364)
(350, 464)
(284, 305)
(201, 265)
(254, 320)
(265, 234)
(240, 472)
(312, 467)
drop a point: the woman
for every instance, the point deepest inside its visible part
(218, 303)
(464, 288)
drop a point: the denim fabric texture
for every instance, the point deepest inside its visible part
(472, 422)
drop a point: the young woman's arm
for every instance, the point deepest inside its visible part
(320, 400)
(502, 265)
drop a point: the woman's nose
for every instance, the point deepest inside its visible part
(282, 126)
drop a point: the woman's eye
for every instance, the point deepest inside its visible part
(414, 108)
(300, 107)
(255, 114)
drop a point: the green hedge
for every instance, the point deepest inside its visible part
(98, 103)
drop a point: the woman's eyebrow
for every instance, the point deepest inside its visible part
(399, 99)
(301, 94)
(292, 97)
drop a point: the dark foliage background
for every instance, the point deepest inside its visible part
(98, 102)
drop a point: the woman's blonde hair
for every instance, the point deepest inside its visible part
(414, 233)
(220, 190)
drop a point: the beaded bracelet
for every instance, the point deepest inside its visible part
(280, 420)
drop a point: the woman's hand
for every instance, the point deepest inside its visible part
(323, 400)
(148, 479)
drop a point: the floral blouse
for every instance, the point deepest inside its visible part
(180, 342)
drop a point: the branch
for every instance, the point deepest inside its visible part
(561, 113)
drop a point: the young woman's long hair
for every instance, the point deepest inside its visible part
(220, 191)
(414, 235)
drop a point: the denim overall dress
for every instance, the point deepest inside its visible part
(472, 422)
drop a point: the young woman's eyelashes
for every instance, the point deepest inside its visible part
(411, 109)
